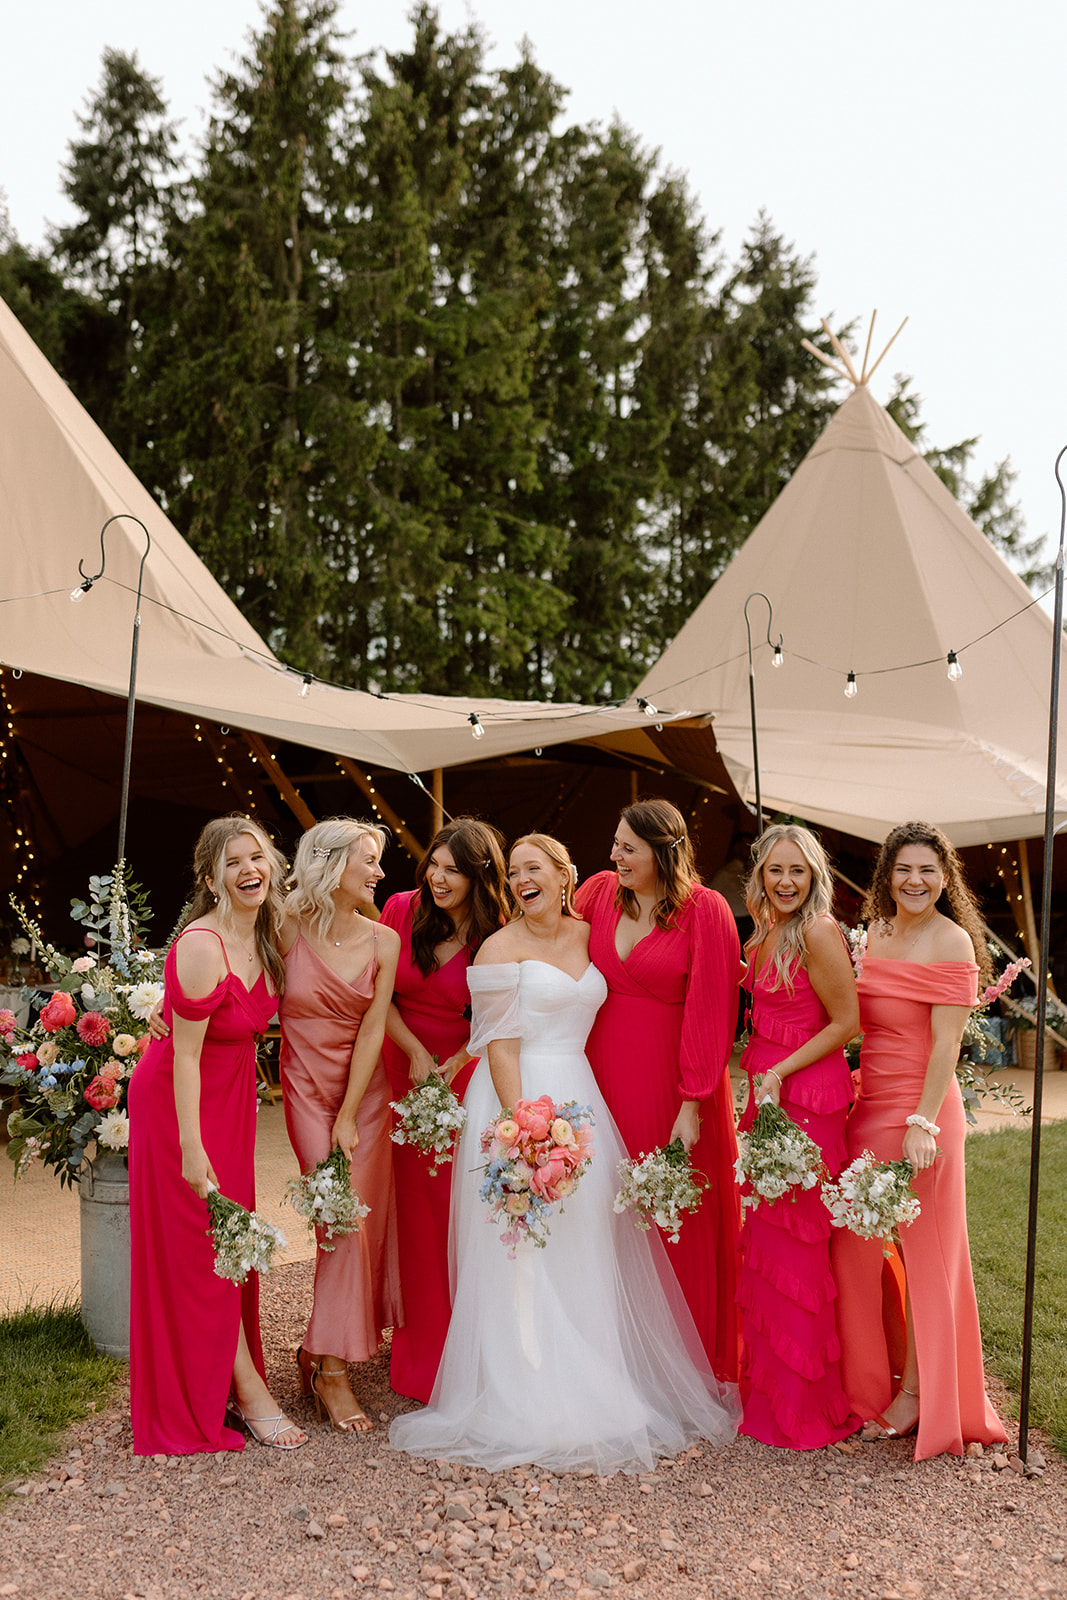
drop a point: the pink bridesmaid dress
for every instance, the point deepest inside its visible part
(437, 1010)
(664, 1034)
(791, 1385)
(896, 998)
(184, 1320)
(357, 1288)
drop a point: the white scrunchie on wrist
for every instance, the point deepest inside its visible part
(915, 1121)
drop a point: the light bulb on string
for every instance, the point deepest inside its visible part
(305, 686)
(851, 687)
(476, 728)
(955, 671)
(647, 707)
(777, 658)
(81, 591)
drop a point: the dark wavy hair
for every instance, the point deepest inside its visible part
(477, 848)
(209, 861)
(662, 827)
(956, 899)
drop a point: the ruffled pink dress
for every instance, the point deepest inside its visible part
(184, 1321)
(357, 1284)
(896, 999)
(791, 1384)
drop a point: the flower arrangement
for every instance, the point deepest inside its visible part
(660, 1188)
(70, 1066)
(872, 1199)
(431, 1118)
(324, 1197)
(537, 1155)
(775, 1156)
(244, 1241)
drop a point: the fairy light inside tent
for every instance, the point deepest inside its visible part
(25, 854)
(369, 793)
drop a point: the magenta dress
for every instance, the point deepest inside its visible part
(664, 1034)
(437, 1010)
(791, 1384)
(184, 1321)
(357, 1287)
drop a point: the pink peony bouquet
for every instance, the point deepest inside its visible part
(536, 1157)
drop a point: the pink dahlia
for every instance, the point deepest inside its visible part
(93, 1028)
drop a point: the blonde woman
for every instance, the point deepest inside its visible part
(802, 1011)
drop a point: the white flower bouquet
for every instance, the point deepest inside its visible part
(244, 1241)
(431, 1118)
(324, 1197)
(775, 1156)
(661, 1187)
(871, 1198)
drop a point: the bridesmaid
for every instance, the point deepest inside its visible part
(459, 899)
(661, 1042)
(339, 972)
(916, 1367)
(803, 1010)
(195, 1352)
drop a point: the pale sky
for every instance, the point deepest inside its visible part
(914, 149)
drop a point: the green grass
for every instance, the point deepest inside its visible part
(50, 1376)
(998, 1177)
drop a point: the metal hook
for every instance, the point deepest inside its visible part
(757, 594)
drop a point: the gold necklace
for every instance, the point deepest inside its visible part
(338, 942)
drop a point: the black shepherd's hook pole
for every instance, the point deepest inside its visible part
(83, 589)
(1042, 983)
(758, 594)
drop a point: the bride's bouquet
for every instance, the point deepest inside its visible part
(660, 1187)
(536, 1157)
(431, 1118)
(244, 1241)
(775, 1156)
(324, 1197)
(872, 1198)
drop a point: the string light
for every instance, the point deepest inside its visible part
(851, 687)
(955, 671)
(647, 707)
(777, 658)
(81, 591)
(305, 685)
(476, 728)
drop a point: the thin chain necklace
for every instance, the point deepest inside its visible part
(338, 942)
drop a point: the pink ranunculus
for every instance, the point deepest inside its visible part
(113, 1069)
(28, 1062)
(93, 1029)
(143, 1041)
(123, 1044)
(506, 1132)
(59, 1012)
(564, 1188)
(515, 1205)
(101, 1093)
(47, 1053)
(562, 1132)
(83, 964)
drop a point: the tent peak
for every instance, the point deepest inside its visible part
(845, 366)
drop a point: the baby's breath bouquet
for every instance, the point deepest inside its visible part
(872, 1198)
(324, 1197)
(660, 1188)
(244, 1241)
(430, 1117)
(775, 1156)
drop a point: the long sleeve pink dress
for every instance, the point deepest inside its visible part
(664, 1035)
(896, 999)
(184, 1321)
(357, 1286)
(791, 1385)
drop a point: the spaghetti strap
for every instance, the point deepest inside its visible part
(218, 936)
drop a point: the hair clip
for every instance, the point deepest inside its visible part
(317, 850)
(676, 842)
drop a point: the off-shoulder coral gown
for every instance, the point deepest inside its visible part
(357, 1290)
(663, 1035)
(581, 1354)
(791, 1385)
(437, 1010)
(184, 1321)
(896, 999)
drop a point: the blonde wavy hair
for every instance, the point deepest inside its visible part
(319, 864)
(209, 862)
(792, 950)
(559, 856)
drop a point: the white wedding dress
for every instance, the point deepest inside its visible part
(581, 1354)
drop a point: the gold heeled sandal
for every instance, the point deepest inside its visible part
(885, 1430)
(357, 1421)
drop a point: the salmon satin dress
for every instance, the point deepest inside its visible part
(790, 1365)
(896, 999)
(664, 1035)
(357, 1294)
(184, 1321)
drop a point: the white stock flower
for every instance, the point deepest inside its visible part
(113, 1130)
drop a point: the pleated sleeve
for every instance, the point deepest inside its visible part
(709, 1018)
(495, 1008)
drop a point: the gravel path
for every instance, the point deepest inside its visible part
(348, 1516)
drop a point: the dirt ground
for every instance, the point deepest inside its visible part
(348, 1516)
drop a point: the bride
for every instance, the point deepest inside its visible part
(581, 1354)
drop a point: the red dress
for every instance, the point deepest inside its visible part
(664, 1035)
(437, 1010)
(791, 1385)
(184, 1320)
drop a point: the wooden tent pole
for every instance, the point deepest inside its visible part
(438, 799)
(272, 770)
(884, 353)
(867, 351)
(814, 350)
(841, 351)
(382, 806)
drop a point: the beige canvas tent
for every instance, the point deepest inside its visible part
(872, 568)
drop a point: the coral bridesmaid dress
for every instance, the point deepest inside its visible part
(664, 1034)
(357, 1286)
(896, 998)
(437, 1010)
(184, 1320)
(790, 1366)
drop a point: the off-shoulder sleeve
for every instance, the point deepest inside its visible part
(182, 1004)
(495, 1010)
(709, 1019)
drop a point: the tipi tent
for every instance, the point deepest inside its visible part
(873, 569)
